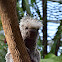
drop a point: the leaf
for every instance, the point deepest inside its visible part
(27, 7)
(33, 1)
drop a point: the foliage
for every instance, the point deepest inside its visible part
(33, 1)
(40, 46)
(19, 11)
(60, 2)
(0, 24)
(57, 40)
(3, 48)
(50, 55)
(53, 59)
(26, 7)
(39, 43)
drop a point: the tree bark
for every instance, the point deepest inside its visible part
(12, 32)
(44, 27)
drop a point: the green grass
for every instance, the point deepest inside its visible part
(54, 59)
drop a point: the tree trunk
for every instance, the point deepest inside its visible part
(44, 27)
(12, 31)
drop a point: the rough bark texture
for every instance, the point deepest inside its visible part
(44, 27)
(12, 31)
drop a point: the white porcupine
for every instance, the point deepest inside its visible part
(29, 30)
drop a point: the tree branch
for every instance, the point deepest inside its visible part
(12, 32)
